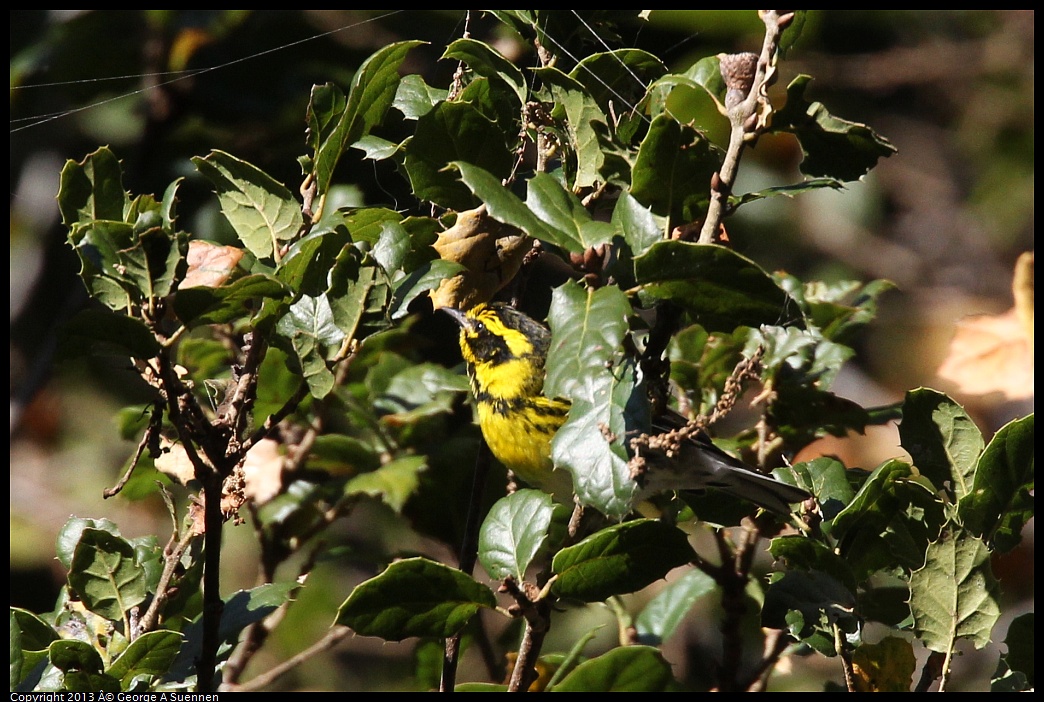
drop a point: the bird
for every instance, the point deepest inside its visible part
(505, 350)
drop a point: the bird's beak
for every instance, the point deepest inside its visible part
(458, 316)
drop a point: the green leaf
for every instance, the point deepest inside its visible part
(70, 533)
(889, 522)
(229, 303)
(69, 655)
(241, 609)
(954, 596)
(92, 189)
(34, 634)
(394, 483)
(565, 215)
(306, 266)
(664, 613)
(427, 277)
(1015, 670)
(453, 131)
(941, 438)
(586, 365)
(833, 147)
(503, 205)
(336, 122)
(825, 478)
(489, 63)
(101, 330)
(513, 532)
(809, 605)
(619, 559)
(414, 597)
(415, 98)
(106, 574)
(583, 124)
(1000, 501)
(720, 288)
(151, 654)
(312, 333)
(625, 669)
(673, 170)
(641, 228)
(261, 210)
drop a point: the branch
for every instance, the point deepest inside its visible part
(747, 105)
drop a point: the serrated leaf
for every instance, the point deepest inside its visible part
(619, 559)
(513, 532)
(92, 189)
(640, 227)
(150, 654)
(625, 669)
(583, 124)
(414, 98)
(106, 575)
(833, 147)
(826, 479)
(809, 604)
(99, 330)
(1000, 500)
(672, 171)
(414, 597)
(660, 618)
(261, 210)
(941, 438)
(720, 288)
(393, 483)
(954, 595)
(306, 266)
(336, 122)
(890, 521)
(450, 132)
(196, 306)
(586, 365)
(489, 63)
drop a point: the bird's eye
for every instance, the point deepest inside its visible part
(480, 328)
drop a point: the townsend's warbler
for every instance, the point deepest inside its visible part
(505, 350)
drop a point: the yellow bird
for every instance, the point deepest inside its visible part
(505, 351)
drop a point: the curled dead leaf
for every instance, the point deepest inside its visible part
(491, 253)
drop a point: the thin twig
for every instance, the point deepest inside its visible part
(332, 638)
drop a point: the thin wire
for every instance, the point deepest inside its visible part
(611, 89)
(608, 48)
(43, 119)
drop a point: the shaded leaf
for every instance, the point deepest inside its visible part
(660, 618)
(1000, 500)
(941, 438)
(720, 288)
(625, 669)
(619, 559)
(414, 597)
(833, 147)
